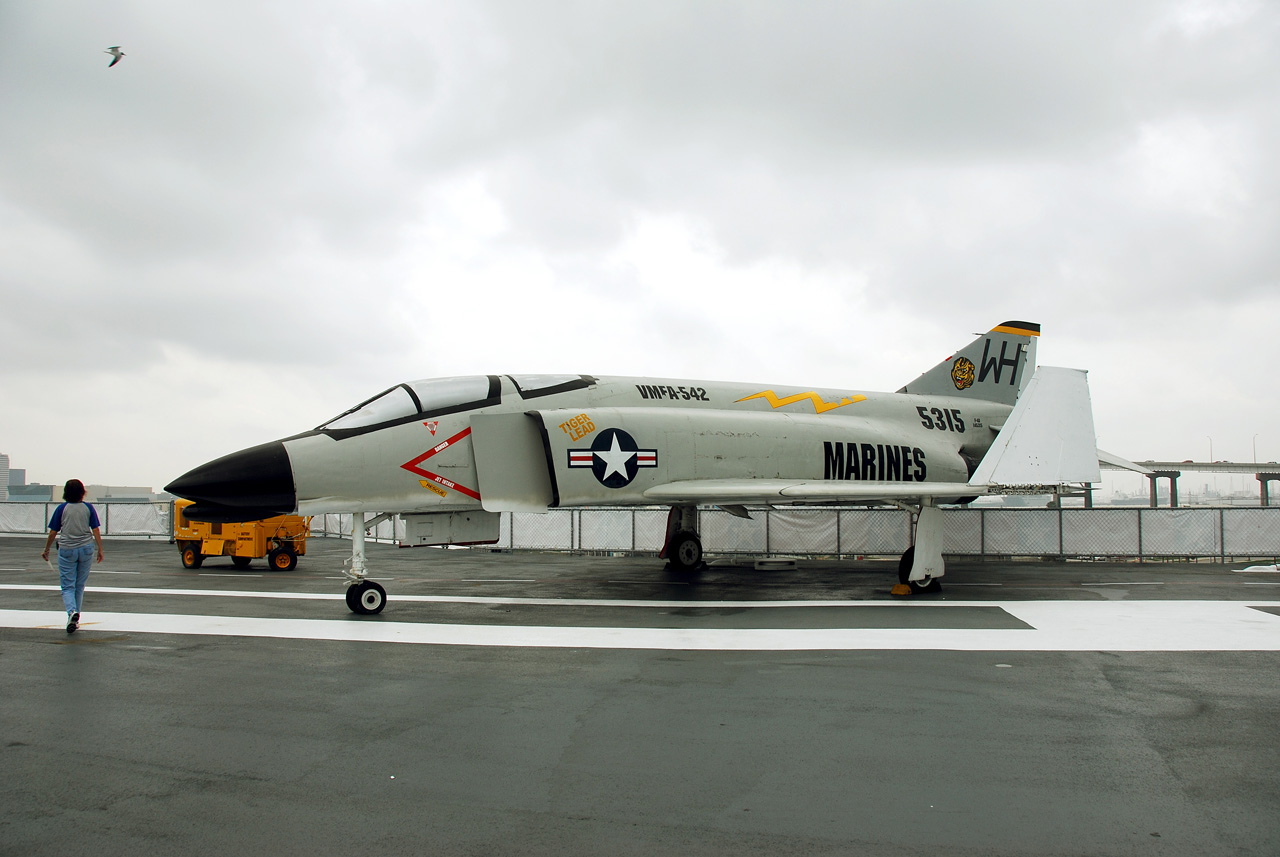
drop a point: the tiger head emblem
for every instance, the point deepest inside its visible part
(962, 373)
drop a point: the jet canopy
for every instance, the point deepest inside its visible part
(414, 400)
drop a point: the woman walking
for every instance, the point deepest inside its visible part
(75, 525)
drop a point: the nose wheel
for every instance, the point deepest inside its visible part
(366, 598)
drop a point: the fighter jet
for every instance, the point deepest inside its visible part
(116, 53)
(449, 454)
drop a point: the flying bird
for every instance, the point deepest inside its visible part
(115, 51)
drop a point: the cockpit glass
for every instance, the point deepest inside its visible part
(391, 405)
(536, 386)
(534, 383)
(405, 401)
(436, 394)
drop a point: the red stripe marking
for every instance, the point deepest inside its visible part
(412, 466)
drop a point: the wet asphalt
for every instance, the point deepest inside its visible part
(148, 743)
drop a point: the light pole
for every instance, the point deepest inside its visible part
(1215, 475)
(1255, 449)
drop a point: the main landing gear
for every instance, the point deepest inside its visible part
(914, 587)
(921, 565)
(364, 596)
(683, 549)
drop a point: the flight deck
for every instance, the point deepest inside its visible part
(547, 703)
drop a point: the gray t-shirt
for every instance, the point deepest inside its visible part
(74, 523)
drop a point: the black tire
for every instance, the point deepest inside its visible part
(191, 556)
(240, 561)
(929, 584)
(282, 559)
(366, 598)
(685, 552)
(904, 564)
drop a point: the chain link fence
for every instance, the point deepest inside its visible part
(1132, 533)
(150, 520)
(1224, 533)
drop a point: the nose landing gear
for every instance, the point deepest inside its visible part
(364, 596)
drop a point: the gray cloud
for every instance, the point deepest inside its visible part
(335, 189)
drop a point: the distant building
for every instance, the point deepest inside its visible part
(32, 493)
(118, 494)
(14, 489)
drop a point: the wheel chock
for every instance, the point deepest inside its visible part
(900, 589)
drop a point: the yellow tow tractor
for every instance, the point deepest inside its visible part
(281, 540)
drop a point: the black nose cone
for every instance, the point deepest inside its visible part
(248, 485)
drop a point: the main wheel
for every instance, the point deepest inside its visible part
(240, 561)
(191, 556)
(366, 598)
(929, 584)
(685, 551)
(282, 559)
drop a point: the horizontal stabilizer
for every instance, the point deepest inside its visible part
(1111, 461)
(1049, 437)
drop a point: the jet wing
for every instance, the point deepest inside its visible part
(784, 491)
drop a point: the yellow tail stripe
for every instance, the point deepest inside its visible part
(1016, 331)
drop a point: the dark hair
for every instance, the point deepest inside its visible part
(73, 491)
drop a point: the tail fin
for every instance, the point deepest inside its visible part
(994, 367)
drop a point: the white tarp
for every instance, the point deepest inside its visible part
(552, 531)
(1180, 532)
(651, 529)
(1100, 532)
(722, 532)
(1248, 532)
(962, 531)
(803, 531)
(24, 517)
(604, 530)
(874, 531)
(1020, 532)
(134, 519)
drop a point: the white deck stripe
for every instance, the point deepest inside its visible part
(588, 602)
(1061, 626)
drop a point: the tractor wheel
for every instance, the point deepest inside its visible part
(191, 556)
(282, 559)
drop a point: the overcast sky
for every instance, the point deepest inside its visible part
(267, 212)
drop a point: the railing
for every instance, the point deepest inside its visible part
(149, 520)
(1122, 533)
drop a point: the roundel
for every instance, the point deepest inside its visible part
(614, 458)
(962, 373)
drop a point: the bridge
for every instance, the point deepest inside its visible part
(1265, 473)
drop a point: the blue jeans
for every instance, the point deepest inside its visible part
(73, 570)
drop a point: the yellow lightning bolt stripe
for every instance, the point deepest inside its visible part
(1016, 331)
(819, 406)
